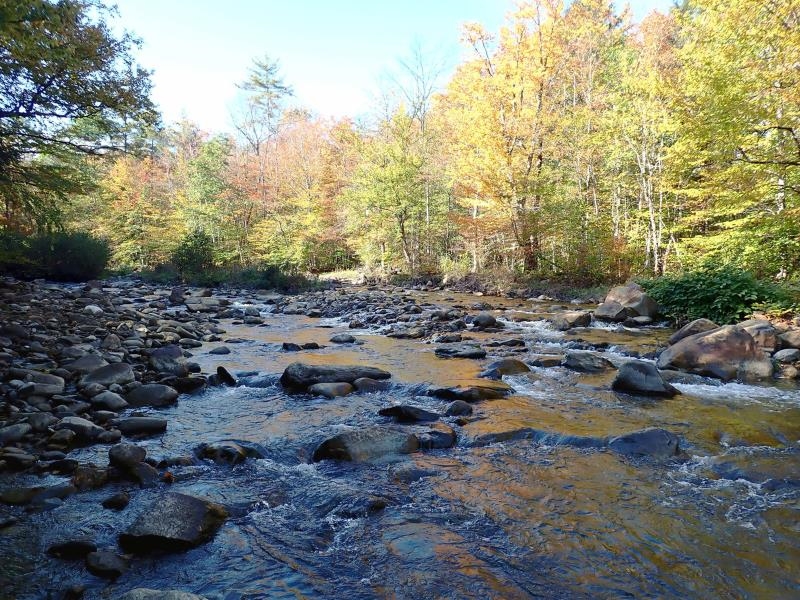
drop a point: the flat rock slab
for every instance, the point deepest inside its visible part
(174, 522)
(300, 376)
(489, 390)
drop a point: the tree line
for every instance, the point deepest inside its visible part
(573, 144)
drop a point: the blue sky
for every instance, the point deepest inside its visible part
(333, 53)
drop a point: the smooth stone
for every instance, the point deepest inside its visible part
(152, 394)
(106, 564)
(14, 433)
(640, 377)
(120, 373)
(653, 442)
(787, 355)
(126, 455)
(300, 376)
(219, 350)
(696, 326)
(437, 436)
(169, 359)
(586, 362)
(570, 319)
(490, 390)
(86, 364)
(458, 408)
(225, 377)
(141, 425)
(406, 413)
(505, 366)
(83, 428)
(72, 549)
(342, 338)
(633, 297)
(367, 385)
(117, 501)
(460, 351)
(173, 522)
(108, 401)
(89, 477)
(366, 444)
(331, 390)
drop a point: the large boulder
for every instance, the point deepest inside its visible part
(152, 394)
(119, 373)
(696, 326)
(570, 319)
(174, 522)
(790, 339)
(640, 377)
(652, 442)
(725, 353)
(300, 376)
(634, 298)
(367, 444)
(764, 334)
(612, 311)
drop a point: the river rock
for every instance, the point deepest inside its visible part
(790, 339)
(342, 338)
(300, 376)
(365, 385)
(633, 297)
(152, 394)
(504, 366)
(725, 353)
(119, 373)
(141, 425)
(653, 442)
(640, 377)
(117, 501)
(489, 390)
(458, 408)
(148, 594)
(45, 384)
(230, 452)
(570, 319)
(407, 413)
(14, 433)
(586, 362)
(331, 390)
(85, 364)
(105, 563)
(696, 326)
(483, 320)
(125, 456)
(611, 311)
(788, 355)
(72, 549)
(437, 436)
(108, 401)
(83, 428)
(366, 444)
(170, 360)
(174, 522)
(460, 351)
(762, 331)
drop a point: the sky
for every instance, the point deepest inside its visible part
(334, 53)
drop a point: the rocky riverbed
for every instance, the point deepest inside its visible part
(379, 441)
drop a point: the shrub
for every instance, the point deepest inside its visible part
(194, 254)
(724, 294)
(14, 259)
(67, 256)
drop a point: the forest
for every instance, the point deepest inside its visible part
(573, 145)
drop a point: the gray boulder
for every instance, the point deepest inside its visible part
(633, 297)
(367, 444)
(640, 377)
(125, 456)
(652, 442)
(460, 351)
(612, 311)
(696, 326)
(119, 373)
(152, 394)
(174, 522)
(108, 401)
(169, 359)
(570, 319)
(586, 362)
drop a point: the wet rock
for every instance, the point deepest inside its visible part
(437, 436)
(111, 342)
(148, 594)
(62, 438)
(640, 377)
(72, 549)
(106, 564)
(117, 501)
(93, 310)
(458, 408)
(407, 333)
(725, 353)
(14, 433)
(229, 452)
(460, 351)
(169, 359)
(84, 429)
(653, 442)
(152, 394)
(366, 444)
(547, 360)
(35, 495)
(224, 377)
(144, 474)
(570, 319)
(489, 390)
(125, 456)
(360, 507)
(142, 426)
(291, 347)
(331, 390)
(671, 376)
(696, 326)
(586, 362)
(300, 376)
(108, 401)
(762, 331)
(484, 319)
(504, 366)
(85, 364)
(343, 338)
(611, 311)
(185, 385)
(63, 466)
(366, 385)
(45, 384)
(220, 350)
(174, 522)
(119, 373)
(89, 477)
(406, 413)
(14, 331)
(40, 422)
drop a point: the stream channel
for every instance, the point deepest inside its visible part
(512, 519)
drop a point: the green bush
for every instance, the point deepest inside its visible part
(194, 255)
(14, 259)
(724, 294)
(66, 256)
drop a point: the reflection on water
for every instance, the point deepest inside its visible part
(509, 520)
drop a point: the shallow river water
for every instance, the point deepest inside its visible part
(515, 519)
